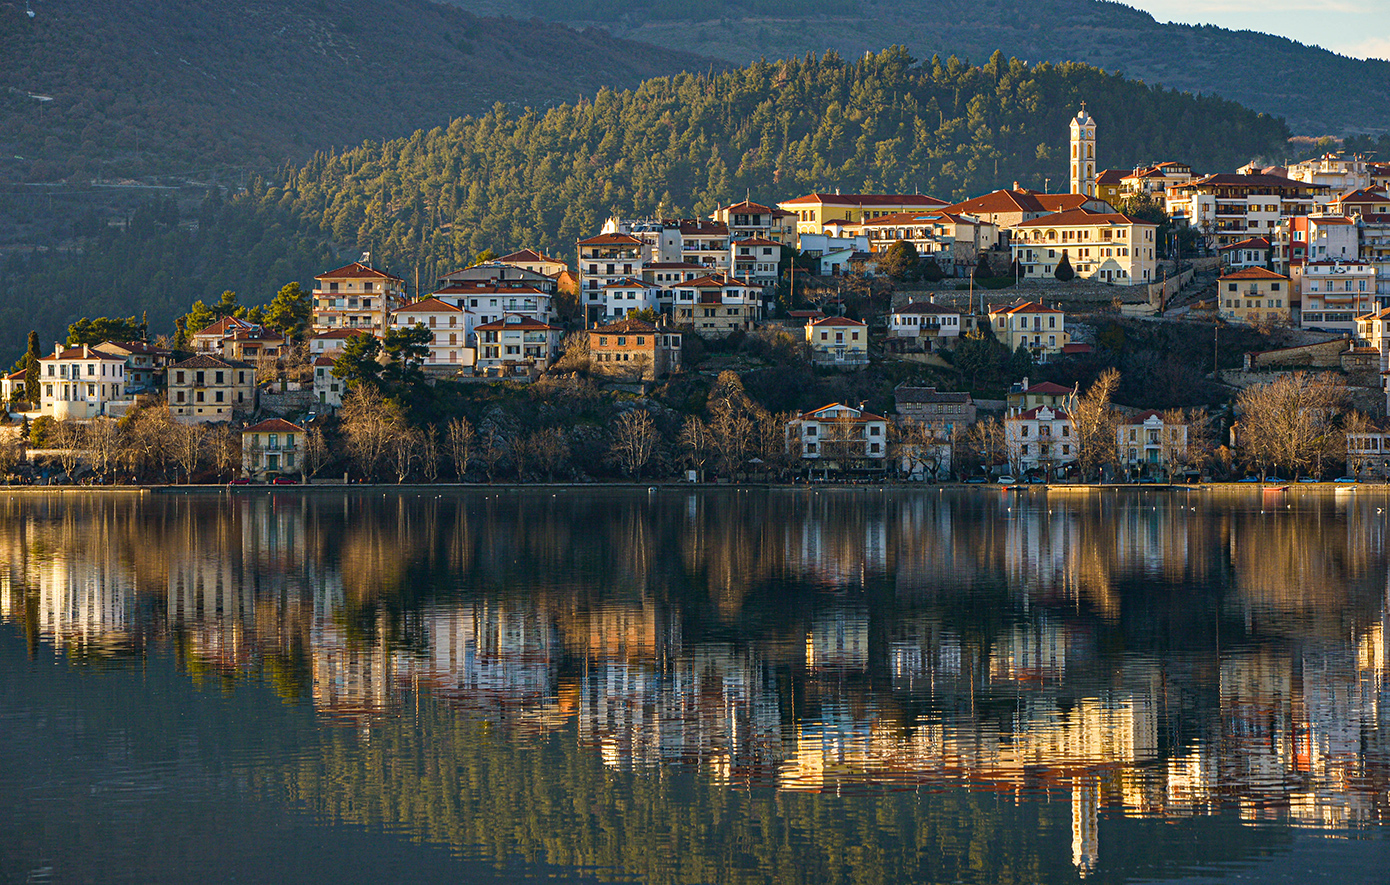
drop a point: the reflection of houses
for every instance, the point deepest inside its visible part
(839, 640)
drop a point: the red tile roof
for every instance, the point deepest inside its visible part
(1047, 388)
(527, 255)
(342, 333)
(78, 353)
(224, 327)
(628, 283)
(999, 202)
(611, 240)
(1253, 273)
(355, 271)
(427, 304)
(1032, 414)
(1027, 307)
(836, 321)
(754, 241)
(274, 425)
(1251, 243)
(748, 208)
(1082, 218)
(516, 321)
(863, 415)
(627, 326)
(920, 200)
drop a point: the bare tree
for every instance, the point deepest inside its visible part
(103, 444)
(1093, 423)
(429, 454)
(186, 447)
(369, 424)
(695, 441)
(521, 453)
(68, 440)
(634, 441)
(550, 450)
(731, 425)
(1355, 424)
(460, 441)
(842, 441)
(402, 450)
(11, 451)
(315, 452)
(224, 447)
(916, 444)
(1291, 422)
(490, 451)
(985, 443)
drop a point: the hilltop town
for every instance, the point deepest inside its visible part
(689, 347)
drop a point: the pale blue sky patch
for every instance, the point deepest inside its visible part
(1357, 29)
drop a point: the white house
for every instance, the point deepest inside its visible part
(449, 328)
(1334, 293)
(1146, 441)
(516, 345)
(81, 383)
(620, 298)
(931, 325)
(328, 390)
(839, 436)
(1039, 439)
(333, 342)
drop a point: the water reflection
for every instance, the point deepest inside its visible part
(1136, 654)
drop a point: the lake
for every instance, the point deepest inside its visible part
(695, 686)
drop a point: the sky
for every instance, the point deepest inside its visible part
(1356, 28)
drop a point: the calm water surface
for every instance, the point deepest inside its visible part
(678, 686)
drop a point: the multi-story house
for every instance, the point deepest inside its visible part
(748, 220)
(487, 301)
(206, 388)
(450, 329)
(667, 273)
(1370, 209)
(631, 348)
(706, 243)
(605, 259)
(1109, 185)
(144, 363)
(838, 342)
(211, 339)
(1023, 396)
(839, 437)
(1040, 329)
(81, 383)
(952, 240)
(1154, 181)
(333, 342)
(925, 325)
(1147, 442)
(356, 296)
(1339, 172)
(1332, 294)
(814, 211)
(715, 305)
(1108, 248)
(816, 245)
(1229, 207)
(949, 410)
(756, 260)
(1254, 252)
(1321, 238)
(272, 448)
(1368, 453)
(1039, 439)
(12, 390)
(250, 345)
(622, 297)
(534, 261)
(1373, 330)
(516, 345)
(328, 390)
(1254, 295)
(503, 276)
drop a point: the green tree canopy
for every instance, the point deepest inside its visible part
(86, 331)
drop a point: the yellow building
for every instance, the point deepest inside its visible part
(814, 211)
(1034, 326)
(1254, 295)
(838, 342)
(1106, 247)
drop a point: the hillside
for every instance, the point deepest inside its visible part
(1316, 91)
(134, 87)
(675, 145)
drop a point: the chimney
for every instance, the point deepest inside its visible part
(1016, 187)
(86, 351)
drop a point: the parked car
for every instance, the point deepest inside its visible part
(285, 481)
(976, 480)
(240, 481)
(1007, 481)
(1346, 479)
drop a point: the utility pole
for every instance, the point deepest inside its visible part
(1216, 345)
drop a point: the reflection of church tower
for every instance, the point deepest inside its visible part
(1083, 153)
(1085, 824)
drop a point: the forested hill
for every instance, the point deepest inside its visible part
(1318, 92)
(109, 88)
(674, 146)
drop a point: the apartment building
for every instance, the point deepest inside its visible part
(272, 448)
(1254, 295)
(1108, 248)
(516, 345)
(1332, 294)
(814, 211)
(81, 383)
(840, 437)
(925, 325)
(534, 261)
(1338, 171)
(451, 330)
(952, 240)
(605, 259)
(715, 305)
(1040, 329)
(1229, 207)
(756, 260)
(1145, 442)
(1370, 210)
(749, 220)
(356, 296)
(634, 349)
(1040, 439)
(205, 388)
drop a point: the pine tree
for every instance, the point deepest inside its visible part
(31, 369)
(1064, 271)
